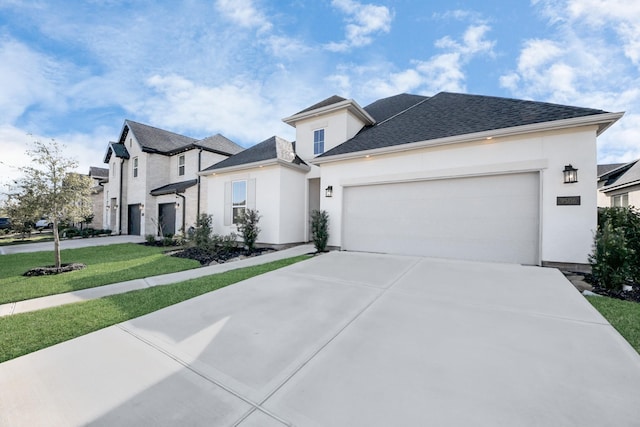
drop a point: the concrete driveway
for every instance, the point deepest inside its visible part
(345, 339)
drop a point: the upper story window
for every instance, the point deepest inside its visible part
(135, 167)
(181, 165)
(318, 141)
(620, 200)
(238, 199)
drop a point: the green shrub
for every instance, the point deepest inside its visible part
(150, 238)
(628, 220)
(201, 235)
(248, 227)
(320, 229)
(612, 258)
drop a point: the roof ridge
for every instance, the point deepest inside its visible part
(403, 111)
(162, 130)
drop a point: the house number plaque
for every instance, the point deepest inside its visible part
(568, 201)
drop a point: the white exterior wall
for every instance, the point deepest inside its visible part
(632, 191)
(338, 127)
(280, 195)
(566, 231)
(603, 200)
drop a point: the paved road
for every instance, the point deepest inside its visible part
(345, 339)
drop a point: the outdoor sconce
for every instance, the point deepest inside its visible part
(570, 174)
(177, 205)
(115, 207)
(108, 207)
(328, 192)
(141, 205)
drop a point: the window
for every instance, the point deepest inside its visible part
(135, 167)
(238, 199)
(620, 200)
(318, 141)
(181, 165)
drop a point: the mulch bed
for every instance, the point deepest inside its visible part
(208, 258)
(51, 269)
(631, 295)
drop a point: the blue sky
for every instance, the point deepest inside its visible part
(74, 70)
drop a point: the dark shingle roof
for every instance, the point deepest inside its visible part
(385, 108)
(451, 114)
(265, 150)
(161, 141)
(603, 169)
(118, 149)
(220, 144)
(626, 174)
(96, 172)
(329, 101)
(176, 187)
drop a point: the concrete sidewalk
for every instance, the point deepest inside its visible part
(70, 244)
(345, 339)
(165, 279)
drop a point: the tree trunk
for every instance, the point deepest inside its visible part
(56, 243)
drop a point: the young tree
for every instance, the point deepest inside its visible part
(50, 189)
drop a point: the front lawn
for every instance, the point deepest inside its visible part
(105, 265)
(25, 333)
(623, 315)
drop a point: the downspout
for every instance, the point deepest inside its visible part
(120, 197)
(184, 211)
(199, 178)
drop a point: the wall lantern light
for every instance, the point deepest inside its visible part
(141, 205)
(328, 192)
(115, 207)
(108, 207)
(570, 174)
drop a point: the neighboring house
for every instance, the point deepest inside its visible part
(100, 176)
(453, 175)
(619, 184)
(154, 187)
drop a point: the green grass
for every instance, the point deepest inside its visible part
(21, 334)
(105, 265)
(623, 315)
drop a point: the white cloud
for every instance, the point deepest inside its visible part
(27, 78)
(590, 59)
(441, 72)
(236, 109)
(244, 13)
(363, 21)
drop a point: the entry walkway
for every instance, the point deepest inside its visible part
(131, 285)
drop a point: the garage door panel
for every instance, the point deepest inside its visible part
(493, 218)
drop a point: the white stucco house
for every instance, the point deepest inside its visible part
(619, 184)
(452, 175)
(153, 183)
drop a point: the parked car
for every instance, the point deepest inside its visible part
(43, 223)
(5, 223)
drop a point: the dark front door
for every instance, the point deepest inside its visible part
(167, 218)
(133, 223)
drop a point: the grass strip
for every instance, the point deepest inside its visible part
(624, 316)
(105, 265)
(25, 333)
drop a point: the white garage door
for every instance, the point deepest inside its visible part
(488, 218)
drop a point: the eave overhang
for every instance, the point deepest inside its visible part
(348, 104)
(256, 165)
(603, 121)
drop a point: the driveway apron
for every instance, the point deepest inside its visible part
(345, 339)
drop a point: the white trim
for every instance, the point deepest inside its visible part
(614, 187)
(351, 105)
(599, 119)
(450, 173)
(254, 165)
